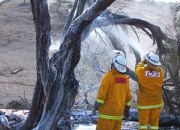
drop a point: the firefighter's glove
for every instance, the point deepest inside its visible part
(143, 61)
(126, 112)
(95, 108)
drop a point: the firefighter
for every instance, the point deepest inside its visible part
(114, 97)
(149, 97)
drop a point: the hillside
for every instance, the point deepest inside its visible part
(17, 45)
(17, 48)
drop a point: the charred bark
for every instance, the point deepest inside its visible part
(35, 110)
(80, 8)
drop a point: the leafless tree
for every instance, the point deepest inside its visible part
(171, 61)
(56, 86)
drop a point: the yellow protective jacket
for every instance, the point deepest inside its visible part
(150, 87)
(114, 94)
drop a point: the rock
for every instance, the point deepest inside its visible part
(4, 123)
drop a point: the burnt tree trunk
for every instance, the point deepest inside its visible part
(56, 86)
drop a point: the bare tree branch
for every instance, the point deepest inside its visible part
(80, 8)
(70, 18)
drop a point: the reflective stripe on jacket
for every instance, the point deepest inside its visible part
(113, 94)
(150, 87)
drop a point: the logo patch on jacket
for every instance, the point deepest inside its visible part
(152, 74)
(120, 80)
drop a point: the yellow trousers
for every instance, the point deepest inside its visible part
(106, 124)
(149, 116)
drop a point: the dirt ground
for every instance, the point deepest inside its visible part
(17, 48)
